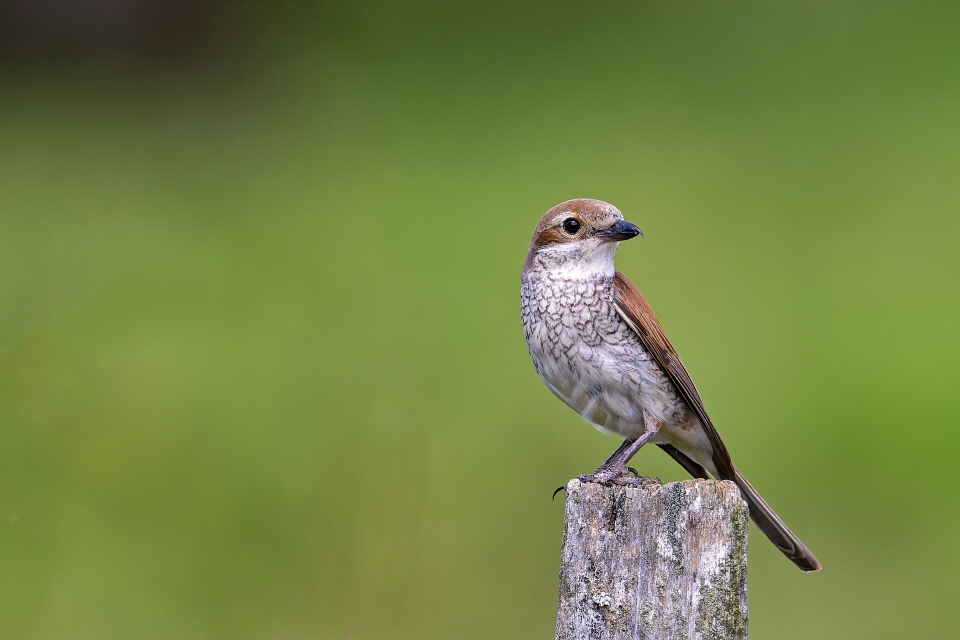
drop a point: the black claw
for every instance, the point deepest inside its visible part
(633, 471)
(559, 489)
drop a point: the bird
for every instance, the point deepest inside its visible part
(597, 345)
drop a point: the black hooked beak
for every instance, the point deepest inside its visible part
(620, 230)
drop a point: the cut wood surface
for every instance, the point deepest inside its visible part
(654, 562)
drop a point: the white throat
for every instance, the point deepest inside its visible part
(577, 262)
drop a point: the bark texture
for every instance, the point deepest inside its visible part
(654, 562)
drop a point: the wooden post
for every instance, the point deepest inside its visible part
(654, 562)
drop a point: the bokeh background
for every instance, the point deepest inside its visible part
(262, 370)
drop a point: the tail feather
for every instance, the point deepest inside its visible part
(768, 521)
(773, 527)
(693, 467)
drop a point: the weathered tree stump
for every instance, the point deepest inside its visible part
(654, 562)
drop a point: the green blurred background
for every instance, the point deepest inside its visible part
(262, 369)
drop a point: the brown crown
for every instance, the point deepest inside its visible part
(592, 214)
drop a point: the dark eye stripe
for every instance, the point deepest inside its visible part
(571, 226)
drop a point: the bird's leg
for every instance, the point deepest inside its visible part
(623, 445)
(616, 464)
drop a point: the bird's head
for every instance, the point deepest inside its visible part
(578, 239)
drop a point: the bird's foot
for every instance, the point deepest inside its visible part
(621, 476)
(601, 476)
(612, 476)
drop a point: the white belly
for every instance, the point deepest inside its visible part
(589, 358)
(610, 391)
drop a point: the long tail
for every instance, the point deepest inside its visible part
(773, 527)
(768, 521)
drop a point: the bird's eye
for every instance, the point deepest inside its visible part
(571, 226)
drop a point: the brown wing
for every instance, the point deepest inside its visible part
(633, 308)
(635, 311)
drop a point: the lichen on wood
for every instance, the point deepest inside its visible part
(654, 562)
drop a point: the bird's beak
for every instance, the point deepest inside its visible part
(619, 230)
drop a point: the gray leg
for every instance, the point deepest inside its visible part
(616, 464)
(623, 445)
